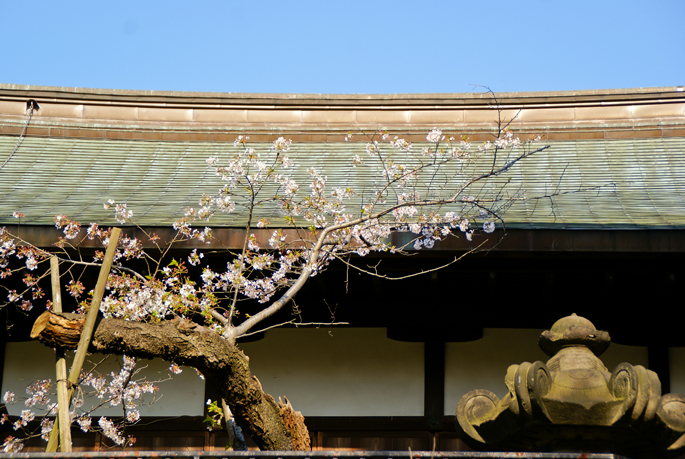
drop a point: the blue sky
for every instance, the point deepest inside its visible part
(343, 46)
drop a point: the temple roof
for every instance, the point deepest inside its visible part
(624, 148)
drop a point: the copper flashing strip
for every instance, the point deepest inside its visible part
(331, 101)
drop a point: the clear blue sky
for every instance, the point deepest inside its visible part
(331, 46)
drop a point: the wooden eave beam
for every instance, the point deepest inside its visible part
(516, 240)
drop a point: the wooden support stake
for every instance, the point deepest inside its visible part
(63, 422)
(86, 334)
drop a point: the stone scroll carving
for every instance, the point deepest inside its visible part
(573, 403)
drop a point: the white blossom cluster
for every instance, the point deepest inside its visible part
(119, 389)
(7, 248)
(110, 430)
(37, 393)
(70, 228)
(121, 212)
(12, 445)
(132, 300)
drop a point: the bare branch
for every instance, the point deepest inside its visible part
(423, 271)
(297, 324)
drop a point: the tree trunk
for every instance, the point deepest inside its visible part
(273, 426)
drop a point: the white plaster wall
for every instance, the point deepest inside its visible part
(344, 372)
(347, 372)
(619, 353)
(28, 361)
(483, 364)
(677, 364)
(339, 372)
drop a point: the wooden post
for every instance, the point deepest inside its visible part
(63, 422)
(86, 335)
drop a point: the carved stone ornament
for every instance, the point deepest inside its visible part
(573, 403)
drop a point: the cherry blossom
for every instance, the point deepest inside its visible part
(430, 193)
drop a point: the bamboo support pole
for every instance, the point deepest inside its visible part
(235, 434)
(87, 332)
(63, 422)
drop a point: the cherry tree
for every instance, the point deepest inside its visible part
(442, 188)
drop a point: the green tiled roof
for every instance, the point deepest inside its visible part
(642, 181)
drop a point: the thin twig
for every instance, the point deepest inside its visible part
(423, 271)
(297, 324)
(118, 267)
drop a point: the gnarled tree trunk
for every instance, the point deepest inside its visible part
(272, 425)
